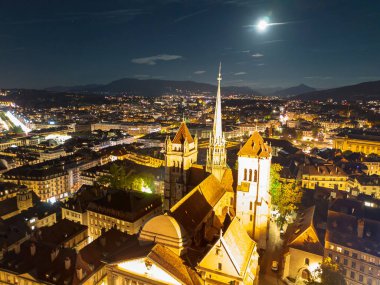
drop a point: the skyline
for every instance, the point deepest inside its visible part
(322, 45)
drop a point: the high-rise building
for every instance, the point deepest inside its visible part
(216, 153)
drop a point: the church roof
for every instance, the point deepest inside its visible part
(164, 229)
(183, 134)
(192, 209)
(237, 250)
(173, 264)
(239, 244)
(165, 225)
(256, 147)
(302, 234)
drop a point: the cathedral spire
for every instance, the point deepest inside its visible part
(216, 154)
(217, 129)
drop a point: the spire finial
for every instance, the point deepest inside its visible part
(220, 71)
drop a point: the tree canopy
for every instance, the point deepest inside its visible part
(328, 273)
(275, 184)
(119, 178)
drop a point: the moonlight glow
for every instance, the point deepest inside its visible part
(262, 25)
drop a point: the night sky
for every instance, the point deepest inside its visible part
(322, 43)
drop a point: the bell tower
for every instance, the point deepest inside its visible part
(253, 200)
(180, 154)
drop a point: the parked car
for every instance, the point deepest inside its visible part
(275, 265)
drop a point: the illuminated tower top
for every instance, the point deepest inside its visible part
(217, 129)
(216, 154)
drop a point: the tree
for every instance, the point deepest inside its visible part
(275, 184)
(142, 181)
(290, 198)
(373, 156)
(16, 130)
(328, 273)
(116, 179)
(315, 131)
(285, 195)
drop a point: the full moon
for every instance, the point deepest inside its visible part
(262, 25)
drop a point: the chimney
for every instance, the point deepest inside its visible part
(32, 249)
(67, 263)
(360, 228)
(79, 273)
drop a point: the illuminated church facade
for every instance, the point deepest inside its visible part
(216, 218)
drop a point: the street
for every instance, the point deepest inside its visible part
(273, 252)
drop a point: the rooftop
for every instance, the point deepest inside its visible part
(126, 205)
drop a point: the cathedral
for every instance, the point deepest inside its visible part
(216, 218)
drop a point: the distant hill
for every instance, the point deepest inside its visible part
(151, 87)
(294, 91)
(365, 90)
(268, 91)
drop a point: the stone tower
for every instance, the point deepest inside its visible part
(180, 154)
(253, 200)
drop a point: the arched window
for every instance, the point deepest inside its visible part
(250, 205)
(255, 179)
(250, 175)
(307, 261)
(245, 174)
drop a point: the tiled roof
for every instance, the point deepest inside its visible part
(239, 244)
(111, 246)
(342, 229)
(126, 205)
(192, 209)
(256, 147)
(183, 134)
(305, 223)
(40, 265)
(323, 170)
(62, 231)
(173, 264)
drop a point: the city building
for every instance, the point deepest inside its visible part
(352, 240)
(54, 179)
(366, 144)
(304, 248)
(13, 205)
(365, 184)
(324, 176)
(127, 211)
(63, 234)
(75, 207)
(35, 263)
